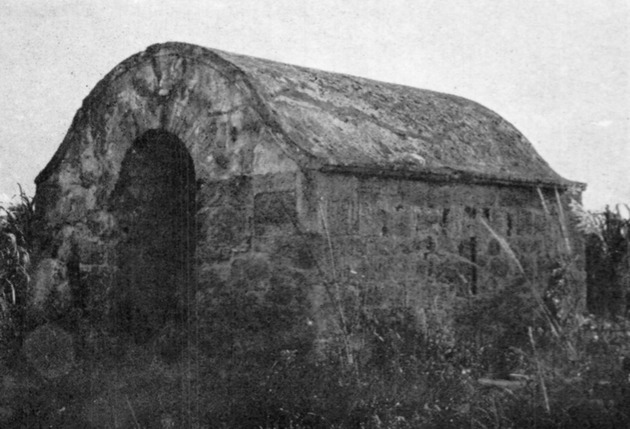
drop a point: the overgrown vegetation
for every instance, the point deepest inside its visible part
(608, 261)
(522, 356)
(15, 240)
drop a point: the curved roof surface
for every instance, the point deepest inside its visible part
(346, 123)
(359, 124)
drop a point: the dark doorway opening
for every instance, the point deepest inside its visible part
(154, 204)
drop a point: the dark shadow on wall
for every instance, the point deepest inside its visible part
(154, 204)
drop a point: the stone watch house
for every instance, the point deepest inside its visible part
(188, 167)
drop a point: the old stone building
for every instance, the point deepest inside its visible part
(188, 168)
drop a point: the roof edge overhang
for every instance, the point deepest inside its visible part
(450, 176)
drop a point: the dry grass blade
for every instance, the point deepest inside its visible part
(541, 378)
(13, 294)
(563, 223)
(543, 202)
(336, 296)
(555, 329)
(456, 258)
(504, 245)
(133, 413)
(323, 215)
(503, 384)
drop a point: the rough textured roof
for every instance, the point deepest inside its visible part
(346, 123)
(359, 124)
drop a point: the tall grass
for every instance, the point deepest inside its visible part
(608, 260)
(16, 223)
(522, 356)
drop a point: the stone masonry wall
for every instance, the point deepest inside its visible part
(242, 218)
(397, 242)
(407, 243)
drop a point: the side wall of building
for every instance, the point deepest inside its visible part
(407, 242)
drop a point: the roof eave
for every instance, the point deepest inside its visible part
(450, 176)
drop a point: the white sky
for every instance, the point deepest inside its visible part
(556, 69)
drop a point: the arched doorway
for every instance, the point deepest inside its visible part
(154, 204)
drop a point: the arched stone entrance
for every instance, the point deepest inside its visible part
(154, 205)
